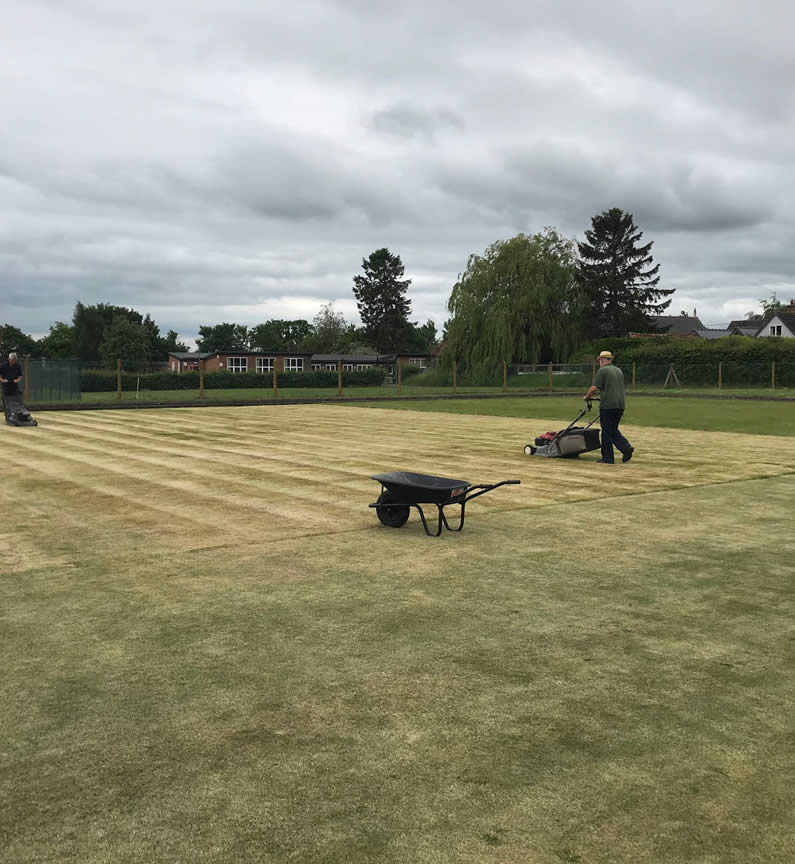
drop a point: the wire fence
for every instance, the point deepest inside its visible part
(60, 381)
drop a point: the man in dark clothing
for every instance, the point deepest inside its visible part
(609, 381)
(10, 375)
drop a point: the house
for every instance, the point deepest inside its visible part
(745, 326)
(672, 325)
(781, 323)
(392, 361)
(186, 361)
(238, 362)
(350, 362)
(678, 325)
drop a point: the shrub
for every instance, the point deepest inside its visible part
(105, 382)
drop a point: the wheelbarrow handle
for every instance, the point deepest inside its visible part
(485, 487)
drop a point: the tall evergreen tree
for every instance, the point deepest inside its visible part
(381, 299)
(616, 277)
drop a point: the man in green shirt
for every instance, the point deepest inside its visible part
(609, 381)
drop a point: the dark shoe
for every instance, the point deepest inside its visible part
(602, 462)
(628, 454)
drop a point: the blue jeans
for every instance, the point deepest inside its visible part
(609, 418)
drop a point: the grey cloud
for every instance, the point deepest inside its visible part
(247, 153)
(406, 121)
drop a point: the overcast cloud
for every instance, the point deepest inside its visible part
(210, 161)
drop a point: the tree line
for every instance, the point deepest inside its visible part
(536, 298)
(531, 298)
(104, 333)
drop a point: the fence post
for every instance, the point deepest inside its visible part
(201, 378)
(455, 367)
(275, 379)
(550, 376)
(593, 372)
(772, 374)
(339, 377)
(633, 375)
(118, 378)
(400, 377)
(26, 387)
(720, 374)
(504, 377)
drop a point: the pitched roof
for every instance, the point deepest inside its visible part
(786, 315)
(746, 323)
(190, 355)
(346, 358)
(677, 325)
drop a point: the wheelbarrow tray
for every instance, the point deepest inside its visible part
(402, 490)
(411, 488)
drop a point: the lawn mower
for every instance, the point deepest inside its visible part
(569, 442)
(16, 412)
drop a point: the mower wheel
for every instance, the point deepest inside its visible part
(394, 516)
(529, 450)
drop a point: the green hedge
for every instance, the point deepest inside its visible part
(104, 382)
(745, 360)
(691, 349)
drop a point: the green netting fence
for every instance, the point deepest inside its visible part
(51, 380)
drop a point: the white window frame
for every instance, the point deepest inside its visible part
(235, 365)
(265, 365)
(361, 366)
(775, 329)
(331, 367)
(418, 361)
(293, 364)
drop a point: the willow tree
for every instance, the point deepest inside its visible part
(514, 303)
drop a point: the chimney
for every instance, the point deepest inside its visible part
(695, 315)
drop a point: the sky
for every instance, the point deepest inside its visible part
(210, 161)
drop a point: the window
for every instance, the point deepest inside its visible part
(417, 361)
(237, 364)
(293, 364)
(775, 329)
(332, 367)
(316, 367)
(361, 366)
(347, 367)
(264, 364)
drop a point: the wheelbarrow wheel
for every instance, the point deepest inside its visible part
(394, 515)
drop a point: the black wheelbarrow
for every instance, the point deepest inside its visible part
(402, 490)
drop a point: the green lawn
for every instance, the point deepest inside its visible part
(729, 415)
(213, 652)
(387, 391)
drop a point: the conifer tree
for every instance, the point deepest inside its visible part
(617, 278)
